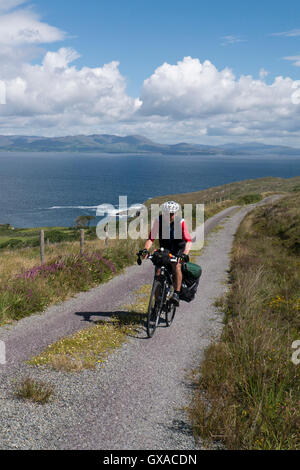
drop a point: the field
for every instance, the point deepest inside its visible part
(11, 237)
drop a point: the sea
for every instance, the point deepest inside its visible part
(53, 189)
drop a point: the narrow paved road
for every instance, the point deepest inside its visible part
(137, 400)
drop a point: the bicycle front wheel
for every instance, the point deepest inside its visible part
(154, 308)
(170, 314)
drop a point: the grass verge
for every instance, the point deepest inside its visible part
(248, 390)
(34, 287)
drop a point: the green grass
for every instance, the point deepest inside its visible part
(86, 348)
(248, 389)
(30, 237)
(249, 199)
(35, 287)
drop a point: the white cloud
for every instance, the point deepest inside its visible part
(295, 59)
(56, 93)
(6, 5)
(24, 27)
(53, 96)
(205, 98)
(227, 40)
(291, 33)
(189, 101)
(191, 89)
(21, 35)
(187, 89)
(60, 59)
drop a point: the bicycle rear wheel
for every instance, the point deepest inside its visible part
(154, 308)
(170, 314)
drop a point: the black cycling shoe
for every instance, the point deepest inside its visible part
(175, 299)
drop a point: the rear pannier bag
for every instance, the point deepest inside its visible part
(191, 271)
(191, 278)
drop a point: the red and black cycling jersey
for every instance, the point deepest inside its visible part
(176, 238)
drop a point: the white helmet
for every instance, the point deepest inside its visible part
(170, 207)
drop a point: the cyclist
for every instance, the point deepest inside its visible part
(178, 243)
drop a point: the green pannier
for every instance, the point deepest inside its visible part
(191, 271)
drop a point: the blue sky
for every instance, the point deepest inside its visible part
(142, 34)
(53, 67)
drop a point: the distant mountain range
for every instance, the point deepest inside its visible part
(104, 143)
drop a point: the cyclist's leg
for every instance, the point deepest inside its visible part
(177, 273)
(177, 276)
(157, 274)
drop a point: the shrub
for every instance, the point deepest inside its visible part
(34, 289)
(249, 199)
(30, 389)
(56, 236)
(13, 243)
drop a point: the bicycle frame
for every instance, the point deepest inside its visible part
(165, 278)
(159, 295)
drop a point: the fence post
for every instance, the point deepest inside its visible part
(42, 246)
(81, 240)
(106, 235)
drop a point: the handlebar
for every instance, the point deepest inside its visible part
(140, 254)
(172, 259)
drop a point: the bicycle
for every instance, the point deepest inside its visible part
(162, 289)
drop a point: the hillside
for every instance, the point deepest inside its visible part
(105, 143)
(232, 192)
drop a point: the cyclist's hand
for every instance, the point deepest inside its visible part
(184, 258)
(142, 253)
(145, 253)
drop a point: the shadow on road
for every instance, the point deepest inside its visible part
(125, 317)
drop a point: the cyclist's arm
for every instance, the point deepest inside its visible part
(188, 247)
(152, 235)
(186, 237)
(148, 244)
